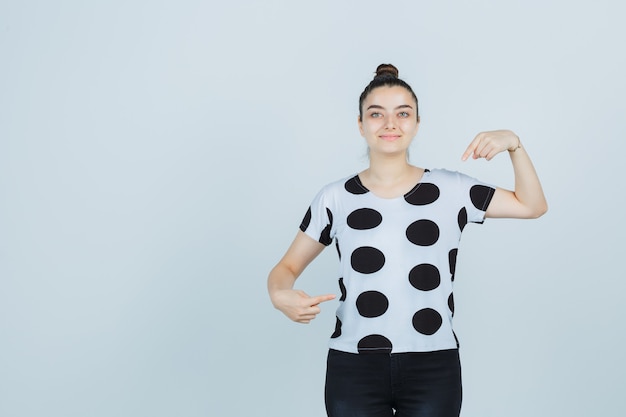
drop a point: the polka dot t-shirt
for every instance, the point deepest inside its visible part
(397, 259)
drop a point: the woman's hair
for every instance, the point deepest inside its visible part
(386, 76)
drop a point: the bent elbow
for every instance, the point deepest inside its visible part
(539, 211)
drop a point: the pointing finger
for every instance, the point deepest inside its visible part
(321, 298)
(471, 148)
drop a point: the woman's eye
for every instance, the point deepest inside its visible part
(376, 115)
(403, 114)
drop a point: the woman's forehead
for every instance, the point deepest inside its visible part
(389, 96)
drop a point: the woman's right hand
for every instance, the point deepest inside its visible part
(298, 305)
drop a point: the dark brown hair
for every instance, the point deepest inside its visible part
(386, 76)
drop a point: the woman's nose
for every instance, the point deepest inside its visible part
(390, 123)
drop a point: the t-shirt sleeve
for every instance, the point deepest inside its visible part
(477, 196)
(318, 220)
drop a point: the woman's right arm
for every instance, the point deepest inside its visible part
(295, 304)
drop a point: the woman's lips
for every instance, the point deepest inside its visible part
(389, 137)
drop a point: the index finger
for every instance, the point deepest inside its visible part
(471, 148)
(321, 298)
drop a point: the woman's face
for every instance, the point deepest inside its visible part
(389, 121)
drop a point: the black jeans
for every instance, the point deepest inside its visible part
(420, 384)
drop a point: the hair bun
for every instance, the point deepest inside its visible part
(386, 70)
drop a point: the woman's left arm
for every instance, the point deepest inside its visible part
(527, 201)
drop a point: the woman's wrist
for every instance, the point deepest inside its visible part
(519, 145)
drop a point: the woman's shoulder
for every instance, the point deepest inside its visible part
(351, 183)
(446, 174)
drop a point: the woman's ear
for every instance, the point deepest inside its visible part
(360, 123)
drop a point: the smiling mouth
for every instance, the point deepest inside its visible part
(389, 137)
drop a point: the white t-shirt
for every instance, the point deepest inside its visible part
(397, 259)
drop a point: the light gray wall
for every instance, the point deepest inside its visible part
(156, 159)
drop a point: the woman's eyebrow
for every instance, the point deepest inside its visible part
(402, 106)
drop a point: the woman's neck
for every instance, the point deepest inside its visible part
(388, 170)
(390, 177)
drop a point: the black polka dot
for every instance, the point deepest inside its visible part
(452, 261)
(372, 304)
(423, 194)
(451, 303)
(363, 219)
(481, 196)
(425, 277)
(306, 221)
(342, 287)
(354, 186)
(337, 331)
(462, 218)
(367, 260)
(325, 238)
(374, 343)
(423, 232)
(427, 321)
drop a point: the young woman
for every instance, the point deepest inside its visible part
(397, 229)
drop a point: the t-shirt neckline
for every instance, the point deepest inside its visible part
(426, 172)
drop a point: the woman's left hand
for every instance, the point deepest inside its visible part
(489, 144)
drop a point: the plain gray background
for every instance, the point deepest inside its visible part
(157, 157)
